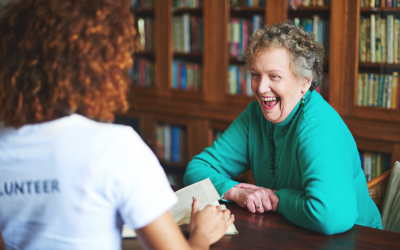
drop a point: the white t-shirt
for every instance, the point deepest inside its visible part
(72, 182)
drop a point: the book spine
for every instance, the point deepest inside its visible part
(383, 4)
(385, 87)
(388, 3)
(384, 40)
(372, 38)
(366, 88)
(240, 43)
(168, 142)
(379, 164)
(183, 76)
(315, 25)
(394, 90)
(390, 38)
(237, 80)
(186, 32)
(378, 40)
(396, 41)
(373, 165)
(371, 90)
(175, 144)
(367, 165)
(376, 90)
(359, 89)
(380, 94)
(372, 3)
(363, 49)
(389, 92)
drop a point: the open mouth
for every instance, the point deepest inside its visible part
(270, 102)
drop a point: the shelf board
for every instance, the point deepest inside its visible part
(147, 53)
(190, 95)
(142, 11)
(309, 8)
(237, 60)
(247, 9)
(197, 10)
(379, 65)
(380, 9)
(190, 55)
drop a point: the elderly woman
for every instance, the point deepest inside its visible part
(68, 180)
(304, 159)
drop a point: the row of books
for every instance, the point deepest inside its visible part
(239, 80)
(170, 143)
(247, 3)
(378, 90)
(176, 4)
(142, 4)
(308, 2)
(188, 33)
(379, 39)
(318, 26)
(379, 3)
(186, 75)
(240, 30)
(374, 164)
(146, 32)
(142, 72)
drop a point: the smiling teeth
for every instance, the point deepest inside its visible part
(268, 99)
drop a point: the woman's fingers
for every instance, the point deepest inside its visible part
(195, 205)
(274, 201)
(246, 185)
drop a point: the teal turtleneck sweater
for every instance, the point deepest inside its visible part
(319, 179)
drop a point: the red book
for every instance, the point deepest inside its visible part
(388, 3)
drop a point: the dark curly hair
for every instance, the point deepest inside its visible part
(61, 57)
(306, 53)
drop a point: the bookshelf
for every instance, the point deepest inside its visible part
(375, 129)
(213, 108)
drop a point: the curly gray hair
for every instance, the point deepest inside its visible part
(306, 53)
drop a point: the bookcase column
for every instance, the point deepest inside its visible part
(163, 46)
(275, 11)
(216, 16)
(337, 52)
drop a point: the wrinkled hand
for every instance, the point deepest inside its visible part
(256, 199)
(212, 221)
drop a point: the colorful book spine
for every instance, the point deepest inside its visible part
(372, 38)
(367, 166)
(390, 33)
(395, 79)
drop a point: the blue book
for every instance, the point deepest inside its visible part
(175, 75)
(183, 76)
(388, 162)
(240, 52)
(238, 90)
(362, 159)
(175, 144)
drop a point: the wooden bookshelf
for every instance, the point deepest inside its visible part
(374, 128)
(201, 112)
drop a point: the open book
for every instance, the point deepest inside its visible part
(204, 191)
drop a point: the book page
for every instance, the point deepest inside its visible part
(207, 195)
(203, 190)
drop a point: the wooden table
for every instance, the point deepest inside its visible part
(273, 231)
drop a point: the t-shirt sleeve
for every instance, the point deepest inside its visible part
(328, 203)
(225, 159)
(139, 185)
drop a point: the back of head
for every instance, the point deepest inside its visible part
(59, 57)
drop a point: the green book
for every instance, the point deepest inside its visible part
(380, 91)
(373, 165)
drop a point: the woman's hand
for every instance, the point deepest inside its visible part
(212, 221)
(256, 199)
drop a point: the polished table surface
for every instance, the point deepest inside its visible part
(273, 231)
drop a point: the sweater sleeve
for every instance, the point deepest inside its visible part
(225, 159)
(328, 203)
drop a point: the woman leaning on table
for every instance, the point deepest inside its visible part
(303, 157)
(69, 179)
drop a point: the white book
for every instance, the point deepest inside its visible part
(167, 142)
(372, 38)
(396, 27)
(186, 32)
(389, 92)
(390, 38)
(316, 19)
(367, 165)
(206, 193)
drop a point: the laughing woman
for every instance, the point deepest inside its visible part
(304, 159)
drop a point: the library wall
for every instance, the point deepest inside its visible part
(190, 76)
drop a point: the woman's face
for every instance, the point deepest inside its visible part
(275, 86)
